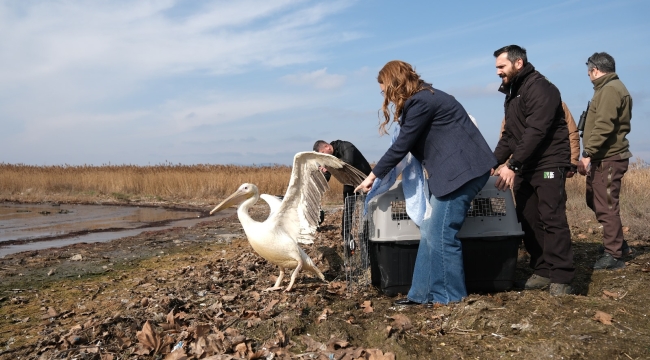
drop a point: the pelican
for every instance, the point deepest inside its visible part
(293, 219)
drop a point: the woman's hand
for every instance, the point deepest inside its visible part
(366, 185)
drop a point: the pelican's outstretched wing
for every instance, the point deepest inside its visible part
(300, 210)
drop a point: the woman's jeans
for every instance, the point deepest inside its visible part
(439, 275)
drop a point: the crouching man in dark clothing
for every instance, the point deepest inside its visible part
(536, 136)
(349, 153)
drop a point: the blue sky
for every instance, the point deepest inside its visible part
(255, 81)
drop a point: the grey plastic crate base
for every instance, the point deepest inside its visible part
(391, 265)
(490, 263)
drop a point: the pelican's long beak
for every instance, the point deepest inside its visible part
(235, 199)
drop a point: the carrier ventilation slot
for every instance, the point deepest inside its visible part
(398, 211)
(485, 207)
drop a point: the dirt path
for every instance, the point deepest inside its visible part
(201, 290)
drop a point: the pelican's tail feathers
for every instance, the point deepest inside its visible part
(317, 272)
(305, 239)
(309, 265)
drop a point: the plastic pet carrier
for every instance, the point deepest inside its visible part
(490, 237)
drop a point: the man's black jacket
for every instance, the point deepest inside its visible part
(535, 133)
(349, 153)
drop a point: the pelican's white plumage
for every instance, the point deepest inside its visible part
(294, 219)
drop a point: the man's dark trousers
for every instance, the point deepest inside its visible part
(603, 188)
(541, 208)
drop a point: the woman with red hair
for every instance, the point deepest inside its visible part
(438, 132)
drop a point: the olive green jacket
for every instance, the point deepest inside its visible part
(608, 119)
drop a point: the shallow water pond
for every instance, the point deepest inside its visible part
(37, 226)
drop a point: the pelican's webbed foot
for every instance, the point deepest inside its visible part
(273, 288)
(277, 282)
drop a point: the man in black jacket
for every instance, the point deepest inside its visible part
(536, 140)
(349, 153)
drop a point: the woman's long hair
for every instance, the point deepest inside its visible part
(401, 82)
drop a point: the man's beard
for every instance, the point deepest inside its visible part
(509, 76)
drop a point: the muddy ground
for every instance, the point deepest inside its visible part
(200, 290)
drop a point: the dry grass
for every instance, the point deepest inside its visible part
(160, 183)
(634, 203)
(209, 184)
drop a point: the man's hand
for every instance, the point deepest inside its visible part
(366, 185)
(495, 172)
(569, 174)
(506, 179)
(322, 169)
(583, 165)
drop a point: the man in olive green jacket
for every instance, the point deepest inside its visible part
(606, 154)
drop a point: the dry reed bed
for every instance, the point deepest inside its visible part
(634, 203)
(208, 184)
(177, 183)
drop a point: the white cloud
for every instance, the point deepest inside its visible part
(141, 39)
(474, 91)
(364, 70)
(318, 79)
(70, 67)
(220, 109)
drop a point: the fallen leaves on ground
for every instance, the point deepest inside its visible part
(323, 315)
(204, 310)
(150, 340)
(367, 306)
(603, 317)
(610, 294)
(208, 302)
(401, 322)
